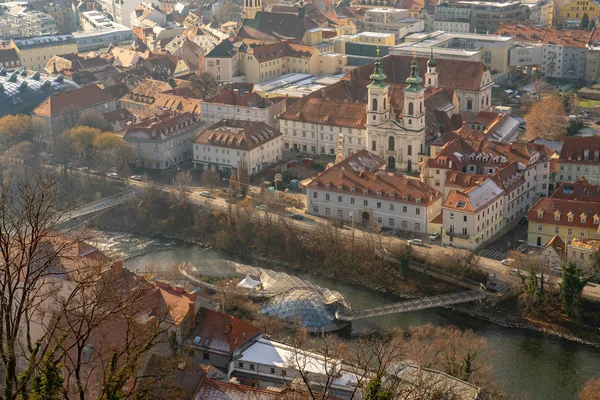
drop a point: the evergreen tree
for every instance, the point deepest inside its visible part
(592, 24)
(573, 282)
(374, 391)
(585, 21)
(47, 383)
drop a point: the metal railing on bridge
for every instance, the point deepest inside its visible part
(412, 305)
(99, 205)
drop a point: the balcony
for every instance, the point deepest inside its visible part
(457, 234)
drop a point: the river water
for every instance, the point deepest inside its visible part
(529, 363)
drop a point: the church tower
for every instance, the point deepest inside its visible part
(251, 7)
(431, 77)
(413, 115)
(377, 108)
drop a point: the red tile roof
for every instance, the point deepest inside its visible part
(463, 180)
(221, 333)
(535, 34)
(553, 208)
(579, 190)
(580, 150)
(362, 171)
(557, 244)
(161, 127)
(277, 50)
(236, 134)
(72, 100)
(453, 74)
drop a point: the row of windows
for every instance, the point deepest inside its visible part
(391, 222)
(365, 203)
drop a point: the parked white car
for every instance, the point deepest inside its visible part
(415, 242)
(434, 236)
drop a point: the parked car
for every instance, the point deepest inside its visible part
(298, 217)
(113, 175)
(415, 242)
(137, 178)
(523, 221)
(262, 207)
(434, 236)
(507, 261)
(204, 194)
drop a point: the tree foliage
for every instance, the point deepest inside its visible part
(591, 390)
(94, 119)
(18, 128)
(83, 138)
(112, 151)
(585, 21)
(546, 118)
(571, 287)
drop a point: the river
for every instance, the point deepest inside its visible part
(529, 363)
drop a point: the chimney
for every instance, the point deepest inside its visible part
(117, 268)
(236, 95)
(192, 312)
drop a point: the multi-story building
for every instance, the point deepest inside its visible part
(144, 96)
(479, 157)
(541, 12)
(452, 18)
(574, 10)
(224, 145)
(65, 13)
(316, 122)
(147, 15)
(31, 22)
(239, 105)
(556, 53)
(491, 50)
(222, 62)
(62, 110)
(583, 252)
(579, 157)
(269, 61)
(357, 188)
(35, 52)
(388, 20)
(573, 211)
(488, 16)
(121, 10)
(163, 141)
(100, 32)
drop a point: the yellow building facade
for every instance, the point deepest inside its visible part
(575, 10)
(35, 52)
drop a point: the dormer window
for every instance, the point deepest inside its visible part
(583, 219)
(596, 220)
(392, 196)
(570, 217)
(418, 200)
(353, 190)
(316, 184)
(557, 216)
(328, 186)
(405, 197)
(540, 213)
(340, 188)
(366, 191)
(378, 194)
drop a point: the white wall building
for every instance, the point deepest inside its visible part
(121, 9)
(224, 145)
(358, 188)
(163, 141)
(233, 104)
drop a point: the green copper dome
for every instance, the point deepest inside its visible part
(378, 76)
(431, 62)
(414, 80)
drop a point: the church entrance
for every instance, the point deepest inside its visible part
(409, 167)
(391, 163)
(365, 218)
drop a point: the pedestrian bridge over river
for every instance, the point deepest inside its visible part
(100, 205)
(467, 296)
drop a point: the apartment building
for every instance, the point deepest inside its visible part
(474, 216)
(557, 53)
(573, 211)
(121, 10)
(163, 141)
(222, 62)
(270, 61)
(574, 10)
(62, 110)
(224, 145)
(583, 252)
(244, 106)
(144, 96)
(395, 21)
(100, 32)
(486, 17)
(452, 18)
(579, 157)
(479, 157)
(541, 12)
(357, 188)
(35, 52)
(31, 22)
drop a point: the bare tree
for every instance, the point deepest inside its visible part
(546, 118)
(205, 85)
(243, 177)
(182, 183)
(94, 119)
(30, 247)
(210, 178)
